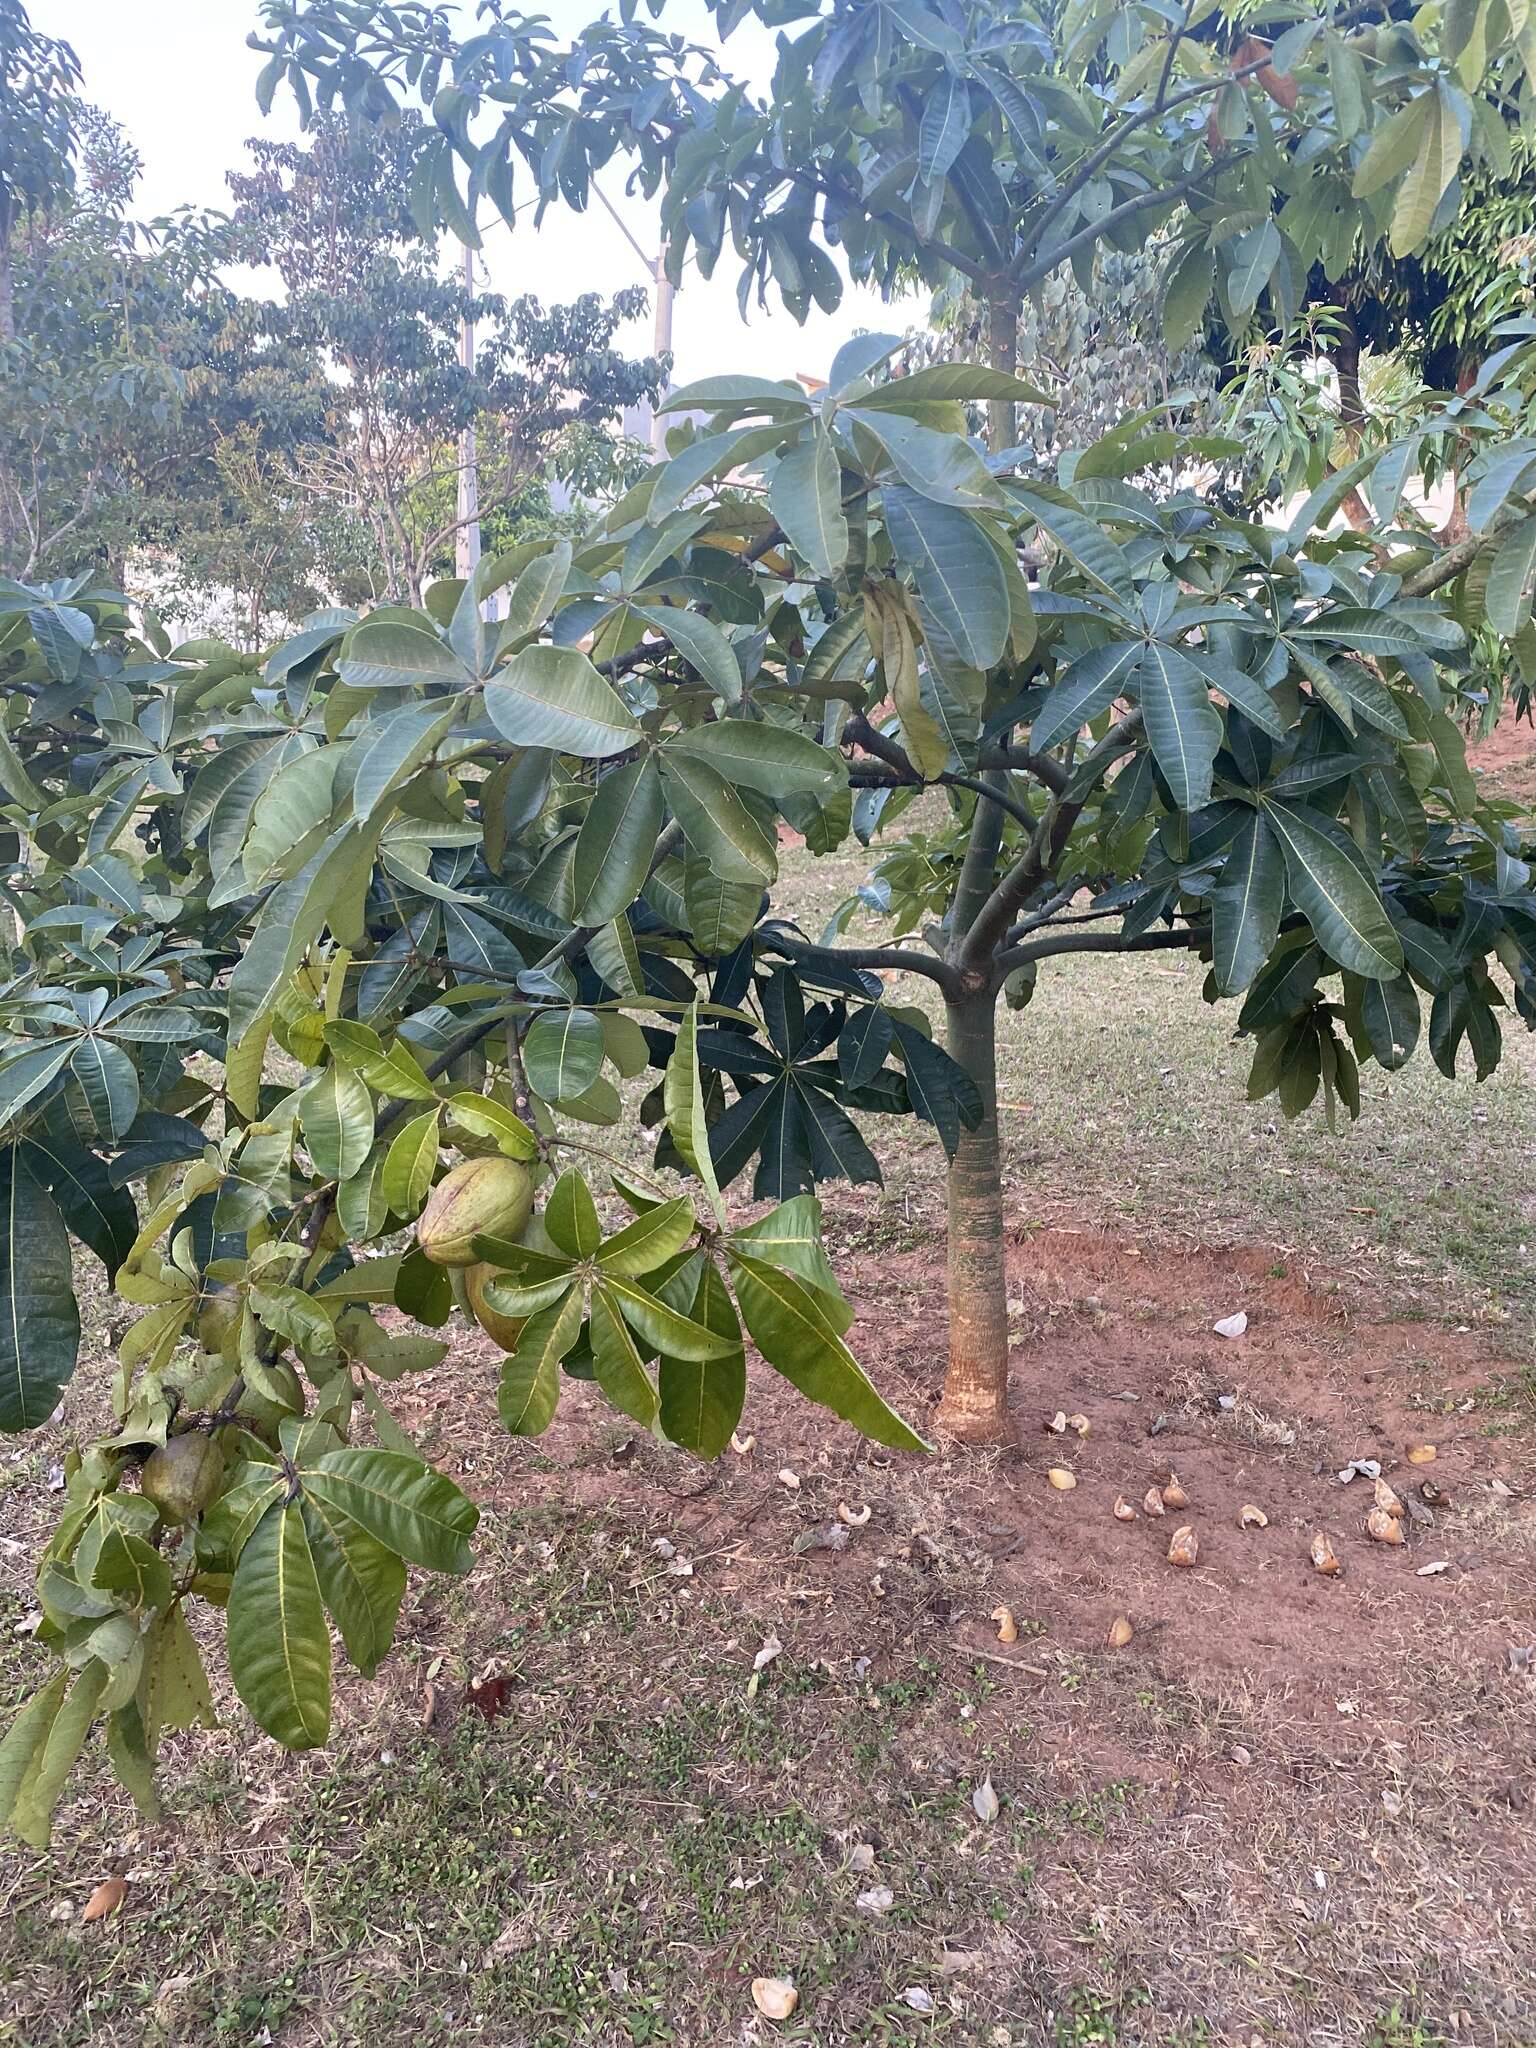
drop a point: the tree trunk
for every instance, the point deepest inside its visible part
(975, 1404)
(1002, 354)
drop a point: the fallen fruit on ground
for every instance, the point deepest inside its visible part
(1184, 1546)
(1122, 1510)
(1120, 1632)
(106, 1898)
(1152, 1501)
(774, 1997)
(1324, 1557)
(1384, 1526)
(1250, 1517)
(1061, 1478)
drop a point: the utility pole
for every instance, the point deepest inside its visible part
(467, 541)
(662, 344)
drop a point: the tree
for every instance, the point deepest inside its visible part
(338, 221)
(986, 145)
(40, 115)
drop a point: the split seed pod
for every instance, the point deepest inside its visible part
(852, 1518)
(1079, 1424)
(1251, 1517)
(774, 1997)
(1385, 1528)
(1174, 1495)
(1324, 1557)
(1122, 1510)
(1388, 1501)
(1152, 1503)
(1061, 1478)
(1185, 1546)
(1007, 1627)
(1120, 1632)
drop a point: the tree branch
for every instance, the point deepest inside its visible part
(900, 959)
(1098, 942)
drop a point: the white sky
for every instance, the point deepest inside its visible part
(178, 76)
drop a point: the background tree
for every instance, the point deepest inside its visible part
(991, 147)
(342, 226)
(40, 113)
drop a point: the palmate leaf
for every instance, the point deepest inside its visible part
(683, 1101)
(1183, 725)
(617, 1364)
(361, 1581)
(529, 1392)
(805, 498)
(98, 1212)
(553, 697)
(616, 843)
(563, 1054)
(702, 1399)
(1246, 906)
(1335, 892)
(957, 571)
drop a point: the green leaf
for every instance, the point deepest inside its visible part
(1332, 888)
(683, 1102)
(790, 1328)
(957, 572)
(702, 1399)
(109, 1083)
(279, 1645)
(563, 1053)
(617, 843)
(1246, 906)
(790, 1236)
(737, 394)
(295, 1315)
(40, 1751)
(618, 1366)
(805, 497)
(395, 1072)
(943, 467)
(651, 1240)
(1394, 145)
(699, 641)
(29, 1073)
(553, 697)
(487, 1118)
(1183, 725)
(1254, 256)
(570, 1217)
(417, 1513)
(39, 1319)
(943, 129)
(1435, 162)
(662, 1327)
(1090, 685)
(1081, 539)
(1390, 1013)
(1507, 598)
(337, 1117)
(718, 914)
(1186, 293)
(535, 594)
(390, 655)
(100, 1214)
(716, 822)
(530, 1376)
(751, 754)
(704, 459)
(389, 750)
(410, 1165)
(361, 1582)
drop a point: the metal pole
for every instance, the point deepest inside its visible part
(662, 345)
(467, 543)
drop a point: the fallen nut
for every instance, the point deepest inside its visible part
(1122, 1510)
(1384, 1527)
(1174, 1495)
(1388, 1501)
(1324, 1557)
(852, 1518)
(1120, 1633)
(1184, 1547)
(1421, 1454)
(1250, 1517)
(1061, 1478)
(1079, 1423)
(1152, 1502)
(1007, 1627)
(774, 1997)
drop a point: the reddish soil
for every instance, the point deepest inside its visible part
(1508, 759)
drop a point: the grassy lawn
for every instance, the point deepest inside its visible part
(607, 1842)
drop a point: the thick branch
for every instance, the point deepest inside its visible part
(899, 959)
(1097, 942)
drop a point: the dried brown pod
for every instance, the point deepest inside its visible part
(1384, 1527)
(1184, 1547)
(1324, 1557)
(1174, 1495)
(1388, 1501)
(1122, 1509)
(1250, 1517)
(1120, 1633)
(1061, 1478)
(1152, 1501)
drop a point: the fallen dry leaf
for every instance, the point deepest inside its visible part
(774, 1997)
(771, 1648)
(877, 1900)
(1500, 1491)
(1120, 1632)
(1250, 1517)
(985, 1803)
(1388, 1501)
(1152, 1501)
(1007, 1627)
(1429, 1571)
(1421, 1454)
(1184, 1546)
(852, 1518)
(916, 1997)
(1384, 1527)
(1122, 1510)
(1232, 1326)
(1061, 1478)
(862, 1858)
(1324, 1557)
(1173, 1494)
(106, 1898)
